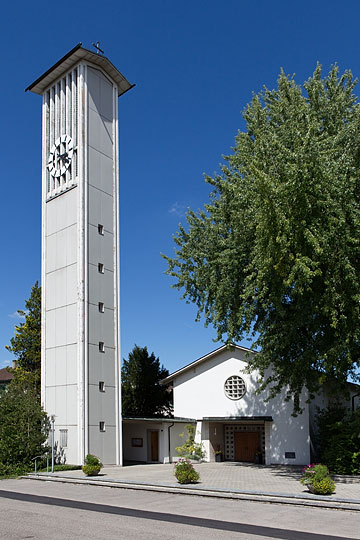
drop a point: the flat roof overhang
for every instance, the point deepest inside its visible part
(132, 419)
(73, 57)
(236, 419)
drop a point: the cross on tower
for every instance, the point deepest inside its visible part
(97, 47)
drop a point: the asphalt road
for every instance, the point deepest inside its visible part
(54, 511)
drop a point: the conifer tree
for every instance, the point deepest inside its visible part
(142, 394)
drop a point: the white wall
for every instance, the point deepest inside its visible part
(59, 362)
(139, 429)
(102, 248)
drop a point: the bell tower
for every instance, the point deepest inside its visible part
(80, 366)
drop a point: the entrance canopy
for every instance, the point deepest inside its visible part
(234, 419)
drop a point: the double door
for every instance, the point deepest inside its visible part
(246, 443)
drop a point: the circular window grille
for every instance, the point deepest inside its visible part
(234, 387)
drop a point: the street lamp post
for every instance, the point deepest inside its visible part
(52, 418)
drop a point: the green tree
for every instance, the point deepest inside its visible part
(142, 394)
(275, 253)
(24, 425)
(26, 344)
(339, 439)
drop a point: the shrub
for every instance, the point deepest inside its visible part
(326, 486)
(316, 477)
(314, 472)
(92, 465)
(62, 467)
(91, 470)
(185, 472)
(93, 460)
(191, 449)
(8, 471)
(339, 439)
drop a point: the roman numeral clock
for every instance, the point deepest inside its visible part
(80, 362)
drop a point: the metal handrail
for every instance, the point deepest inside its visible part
(38, 457)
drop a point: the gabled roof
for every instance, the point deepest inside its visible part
(203, 359)
(5, 375)
(74, 56)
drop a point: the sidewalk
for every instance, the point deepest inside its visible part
(225, 480)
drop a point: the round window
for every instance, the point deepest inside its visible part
(234, 387)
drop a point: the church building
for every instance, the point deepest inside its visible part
(80, 386)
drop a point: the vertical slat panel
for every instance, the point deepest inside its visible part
(68, 120)
(74, 99)
(63, 107)
(57, 111)
(62, 124)
(69, 105)
(52, 130)
(57, 129)
(46, 128)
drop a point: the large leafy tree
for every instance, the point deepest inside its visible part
(276, 251)
(26, 344)
(142, 394)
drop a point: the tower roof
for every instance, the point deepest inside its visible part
(74, 56)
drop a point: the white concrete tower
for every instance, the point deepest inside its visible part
(80, 254)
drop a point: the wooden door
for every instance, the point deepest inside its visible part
(154, 446)
(246, 444)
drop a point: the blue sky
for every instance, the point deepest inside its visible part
(195, 65)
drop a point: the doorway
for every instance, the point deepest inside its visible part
(153, 448)
(246, 443)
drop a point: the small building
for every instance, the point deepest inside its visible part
(153, 440)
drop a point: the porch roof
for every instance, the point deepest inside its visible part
(164, 419)
(236, 419)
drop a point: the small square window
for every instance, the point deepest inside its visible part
(102, 426)
(63, 438)
(101, 229)
(101, 268)
(101, 307)
(101, 386)
(101, 346)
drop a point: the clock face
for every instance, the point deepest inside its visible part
(60, 156)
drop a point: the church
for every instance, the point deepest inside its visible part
(80, 386)
(217, 394)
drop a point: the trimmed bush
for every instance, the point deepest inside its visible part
(92, 465)
(91, 470)
(326, 486)
(62, 467)
(316, 478)
(185, 472)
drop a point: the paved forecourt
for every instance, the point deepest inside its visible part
(222, 479)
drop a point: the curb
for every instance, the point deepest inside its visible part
(319, 501)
